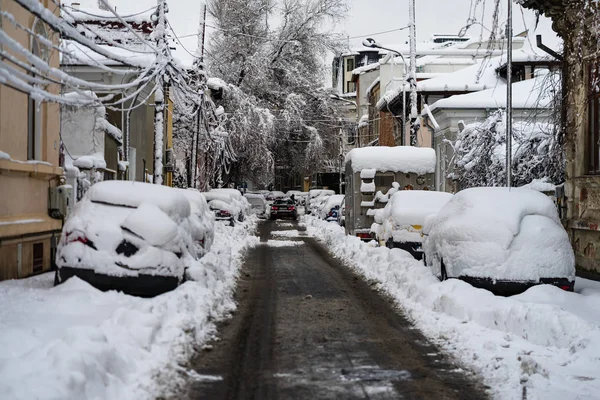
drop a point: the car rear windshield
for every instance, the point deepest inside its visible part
(284, 202)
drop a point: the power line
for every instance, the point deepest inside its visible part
(287, 41)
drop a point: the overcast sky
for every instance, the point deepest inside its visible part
(365, 17)
(433, 16)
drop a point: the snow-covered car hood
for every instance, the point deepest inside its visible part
(500, 234)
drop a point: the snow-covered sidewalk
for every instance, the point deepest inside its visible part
(545, 339)
(75, 342)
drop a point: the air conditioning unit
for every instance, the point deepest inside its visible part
(59, 201)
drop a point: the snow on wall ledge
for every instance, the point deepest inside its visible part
(545, 339)
(420, 160)
(74, 342)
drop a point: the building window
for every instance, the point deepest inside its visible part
(34, 107)
(38, 257)
(351, 87)
(350, 64)
(594, 119)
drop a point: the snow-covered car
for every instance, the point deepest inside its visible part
(330, 209)
(284, 208)
(341, 218)
(203, 231)
(316, 198)
(504, 240)
(224, 211)
(238, 206)
(404, 216)
(274, 195)
(296, 193)
(258, 204)
(130, 236)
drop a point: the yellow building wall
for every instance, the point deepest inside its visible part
(24, 219)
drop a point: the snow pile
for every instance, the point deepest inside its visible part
(393, 159)
(545, 339)
(540, 185)
(91, 161)
(495, 232)
(75, 342)
(216, 84)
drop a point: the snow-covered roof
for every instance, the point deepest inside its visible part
(530, 93)
(477, 77)
(480, 76)
(366, 68)
(420, 160)
(184, 16)
(77, 54)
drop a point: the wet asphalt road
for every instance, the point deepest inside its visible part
(307, 328)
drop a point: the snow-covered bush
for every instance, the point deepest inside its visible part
(480, 153)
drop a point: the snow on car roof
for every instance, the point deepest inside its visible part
(132, 194)
(420, 160)
(223, 196)
(411, 207)
(496, 206)
(197, 200)
(334, 200)
(220, 205)
(232, 192)
(320, 192)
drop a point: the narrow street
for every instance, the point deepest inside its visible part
(307, 328)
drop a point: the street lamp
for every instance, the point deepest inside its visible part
(372, 43)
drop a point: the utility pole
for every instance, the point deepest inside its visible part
(413, 72)
(202, 32)
(509, 36)
(160, 90)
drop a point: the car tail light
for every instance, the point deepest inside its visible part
(566, 287)
(364, 235)
(291, 207)
(78, 236)
(225, 213)
(275, 208)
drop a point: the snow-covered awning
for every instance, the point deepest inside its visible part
(420, 160)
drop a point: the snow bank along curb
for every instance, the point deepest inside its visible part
(75, 342)
(528, 340)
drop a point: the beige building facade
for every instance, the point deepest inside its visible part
(29, 160)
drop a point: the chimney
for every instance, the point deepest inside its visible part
(75, 6)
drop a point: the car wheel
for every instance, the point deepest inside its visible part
(444, 273)
(56, 279)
